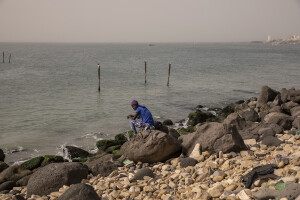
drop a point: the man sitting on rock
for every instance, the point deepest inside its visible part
(141, 119)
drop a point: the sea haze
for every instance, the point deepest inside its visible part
(49, 92)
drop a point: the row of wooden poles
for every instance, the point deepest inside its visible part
(145, 62)
(8, 58)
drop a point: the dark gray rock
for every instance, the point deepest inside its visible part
(271, 141)
(173, 133)
(277, 101)
(103, 164)
(295, 96)
(276, 109)
(295, 112)
(149, 148)
(185, 162)
(4, 192)
(250, 115)
(140, 174)
(291, 191)
(286, 107)
(23, 181)
(264, 132)
(53, 176)
(296, 123)
(18, 197)
(3, 166)
(283, 120)
(2, 155)
(266, 94)
(13, 173)
(8, 185)
(236, 120)
(284, 95)
(214, 137)
(79, 191)
(265, 194)
(256, 130)
(75, 152)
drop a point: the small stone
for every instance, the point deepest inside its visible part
(242, 195)
(218, 178)
(250, 142)
(281, 164)
(148, 189)
(206, 154)
(291, 179)
(231, 187)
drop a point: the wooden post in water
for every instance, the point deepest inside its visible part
(145, 71)
(99, 77)
(169, 74)
(3, 56)
(9, 58)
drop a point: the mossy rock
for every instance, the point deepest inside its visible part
(113, 148)
(51, 159)
(104, 144)
(227, 110)
(167, 122)
(185, 131)
(117, 153)
(130, 133)
(120, 138)
(199, 117)
(81, 160)
(33, 163)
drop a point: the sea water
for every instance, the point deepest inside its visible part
(50, 98)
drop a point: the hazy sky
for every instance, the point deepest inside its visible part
(147, 20)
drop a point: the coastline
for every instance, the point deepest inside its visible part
(257, 136)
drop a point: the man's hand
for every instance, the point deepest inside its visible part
(130, 116)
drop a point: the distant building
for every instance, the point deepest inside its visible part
(269, 38)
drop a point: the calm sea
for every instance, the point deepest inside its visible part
(49, 92)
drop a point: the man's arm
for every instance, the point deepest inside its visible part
(132, 116)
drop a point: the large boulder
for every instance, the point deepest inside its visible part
(258, 130)
(3, 166)
(296, 123)
(271, 141)
(295, 111)
(75, 152)
(295, 96)
(283, 120)
(266, 94)
(2, 155)
(154, 147)
(8, 185)
(286, 107)
(102, 164)
(236, 120)
(250, 115)
(290, 192)
(78, 192)
(13, 173)
(214, 137)
(53, 176)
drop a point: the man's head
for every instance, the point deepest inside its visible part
(134, 104)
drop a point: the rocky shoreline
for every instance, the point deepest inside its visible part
(249, 150)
